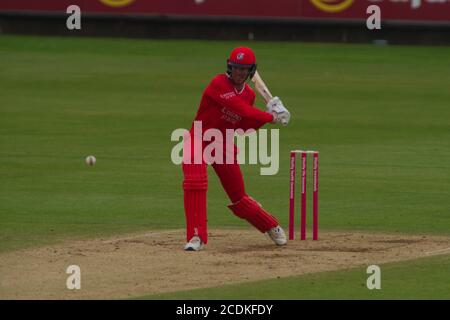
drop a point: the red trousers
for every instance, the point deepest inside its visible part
(195, 185)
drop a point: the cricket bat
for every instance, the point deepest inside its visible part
(262, 89)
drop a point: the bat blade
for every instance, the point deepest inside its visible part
(261, 87)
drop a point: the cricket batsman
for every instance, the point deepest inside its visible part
(227, 103)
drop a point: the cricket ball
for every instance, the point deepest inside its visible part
(90, 160)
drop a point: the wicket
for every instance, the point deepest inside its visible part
(303, 194)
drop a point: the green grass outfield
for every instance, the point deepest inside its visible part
(380, 116)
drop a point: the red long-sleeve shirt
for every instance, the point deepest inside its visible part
(222, 107)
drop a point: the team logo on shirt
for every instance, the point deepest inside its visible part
(228, 95)
(230, 116)
(240, 56)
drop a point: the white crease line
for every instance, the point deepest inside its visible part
(438, 251)
(145, 235)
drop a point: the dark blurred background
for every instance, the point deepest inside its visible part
(407, 22)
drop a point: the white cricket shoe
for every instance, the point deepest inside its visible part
(195, 244)
(278, 236)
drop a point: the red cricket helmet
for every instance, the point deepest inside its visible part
(242, 57)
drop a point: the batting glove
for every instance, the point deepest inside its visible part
(279, 111)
